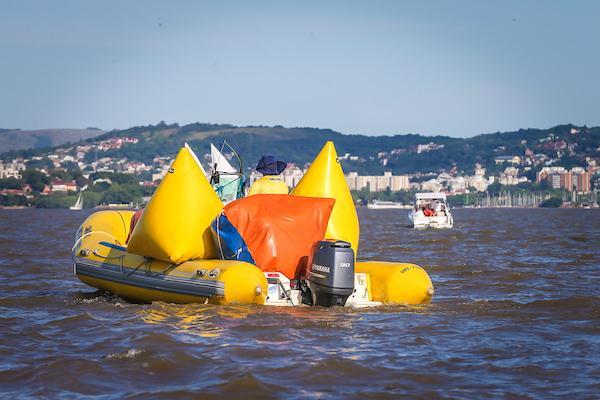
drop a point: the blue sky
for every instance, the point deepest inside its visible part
(456, 68)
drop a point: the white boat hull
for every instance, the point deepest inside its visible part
(281, 294)
(420, 221)
(384, 207)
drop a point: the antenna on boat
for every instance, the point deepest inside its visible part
(235, 153)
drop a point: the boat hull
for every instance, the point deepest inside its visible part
(384, 207)
(420, 221)
(101, 261)
(198, 281)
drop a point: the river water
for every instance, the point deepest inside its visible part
(516, 314)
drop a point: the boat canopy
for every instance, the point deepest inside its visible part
(431, 196)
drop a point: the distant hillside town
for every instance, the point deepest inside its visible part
(125, 166)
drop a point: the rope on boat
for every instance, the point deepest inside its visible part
(88, 234)
(146, 262)
(171, 267)
(219, 236)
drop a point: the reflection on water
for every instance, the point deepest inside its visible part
(516, 313)
(189, 320)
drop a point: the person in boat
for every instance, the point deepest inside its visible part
(442, 210)
(270, 182)
(428, 212)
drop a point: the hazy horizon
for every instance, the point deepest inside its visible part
(456, 69)
(294, 127)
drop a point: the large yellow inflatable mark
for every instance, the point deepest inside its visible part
(397, 283)
(175, 225)
(325, 178)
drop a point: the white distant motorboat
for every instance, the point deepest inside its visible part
(431, 211)
(119, 206)
(384, 205)
(78, 204)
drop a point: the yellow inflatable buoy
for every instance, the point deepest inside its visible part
(175, 225)
(397, 283)
(325, 178)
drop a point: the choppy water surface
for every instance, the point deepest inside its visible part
(516, 314)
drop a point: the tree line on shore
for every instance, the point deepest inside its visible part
(110, 188)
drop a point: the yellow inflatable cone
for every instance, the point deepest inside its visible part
(175, 225)
(325, 178)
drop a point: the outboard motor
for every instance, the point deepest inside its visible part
(330, 276)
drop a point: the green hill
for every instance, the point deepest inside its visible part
(297, 145)
(369, 154)
(300, 145)
(16, 139)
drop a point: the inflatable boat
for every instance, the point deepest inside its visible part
(186, 247)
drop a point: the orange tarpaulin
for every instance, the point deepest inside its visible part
(280, 230)
(134, 220)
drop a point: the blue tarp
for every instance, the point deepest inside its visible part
(229, 240)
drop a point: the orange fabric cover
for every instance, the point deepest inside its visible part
(280, 230)
(134, 220)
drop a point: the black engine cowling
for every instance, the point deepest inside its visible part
(330, 276)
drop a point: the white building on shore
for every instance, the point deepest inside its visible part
(378, 183)
(478, 181)
(12, 169)
(511, 177)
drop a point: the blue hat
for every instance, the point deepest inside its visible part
(269, 165)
